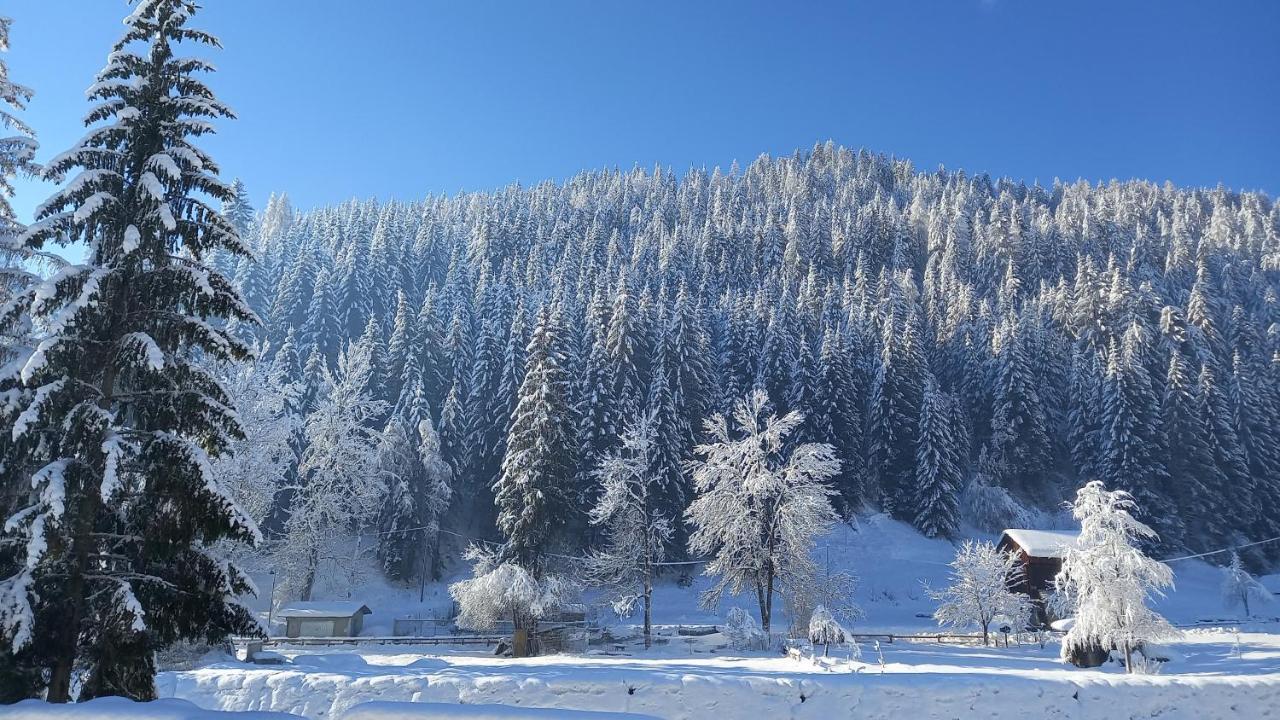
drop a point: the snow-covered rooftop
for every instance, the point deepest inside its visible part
(1043, 543)
(324, 608)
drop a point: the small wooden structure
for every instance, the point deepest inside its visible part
(1040, 553)
(328, 618)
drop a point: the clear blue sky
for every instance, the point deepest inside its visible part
(401, 98)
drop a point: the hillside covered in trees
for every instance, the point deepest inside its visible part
(974, 349)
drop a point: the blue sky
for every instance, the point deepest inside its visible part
(399, 99)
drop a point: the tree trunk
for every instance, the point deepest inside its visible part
(985, 635)
(766, 614)
(308, 583)
(69, 640)
(648, 612)
(65, 657)
(1128, 658)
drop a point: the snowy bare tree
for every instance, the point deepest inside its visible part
(758, 506)
(500, 590)
(1239, 588)
(637, 534)
(1108, 580)
(982, 578)
(341, 484)
(261, 462)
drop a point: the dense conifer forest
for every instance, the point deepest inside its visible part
(974, 348)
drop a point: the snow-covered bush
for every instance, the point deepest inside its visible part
(499, 591)
(982, 578)
(1239, 588)
(1108, 580)
(825, 630)
(742, 630)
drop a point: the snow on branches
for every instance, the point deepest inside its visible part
(982, 578)
(1239, 588)
(637, 533)
(1107, 580)
(759, 505)
(341, 484)
(500, 590)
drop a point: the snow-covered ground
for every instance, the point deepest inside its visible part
(1224, 670)
(1219, 675)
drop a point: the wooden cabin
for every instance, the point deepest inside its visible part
(328, 618)
(1040, 554)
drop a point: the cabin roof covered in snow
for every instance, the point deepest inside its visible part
(324, 609)
(1043, 543)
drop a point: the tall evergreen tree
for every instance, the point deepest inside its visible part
(1131, 436)
(1020, 447)
(938, 468)
(1188, 453)
(117, 564)
(237, 209)
(893, 431)
(530, 494)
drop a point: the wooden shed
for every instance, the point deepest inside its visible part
(330, 618)
(1040, 552)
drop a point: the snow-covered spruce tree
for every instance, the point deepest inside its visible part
(530, 494)
(419, 490)
(838, 415)
(18, 675)
(122, 421)
(1020, 447)
(1106, 580)
(237, 209)
(938, 468)
(1239, 588)
(636, 530)
(981, 591)
(1132, 440)
(893, 423)
(17, 271)
(757, 509)
(341, 484)
(17, 151)
(513, 581)
(1188, 453)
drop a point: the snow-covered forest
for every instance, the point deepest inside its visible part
(613, 381)
(973, 348)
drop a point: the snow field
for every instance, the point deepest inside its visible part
(1218, 676)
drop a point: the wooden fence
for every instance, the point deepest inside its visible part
(380, 640)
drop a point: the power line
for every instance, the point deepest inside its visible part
(1223, 550)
